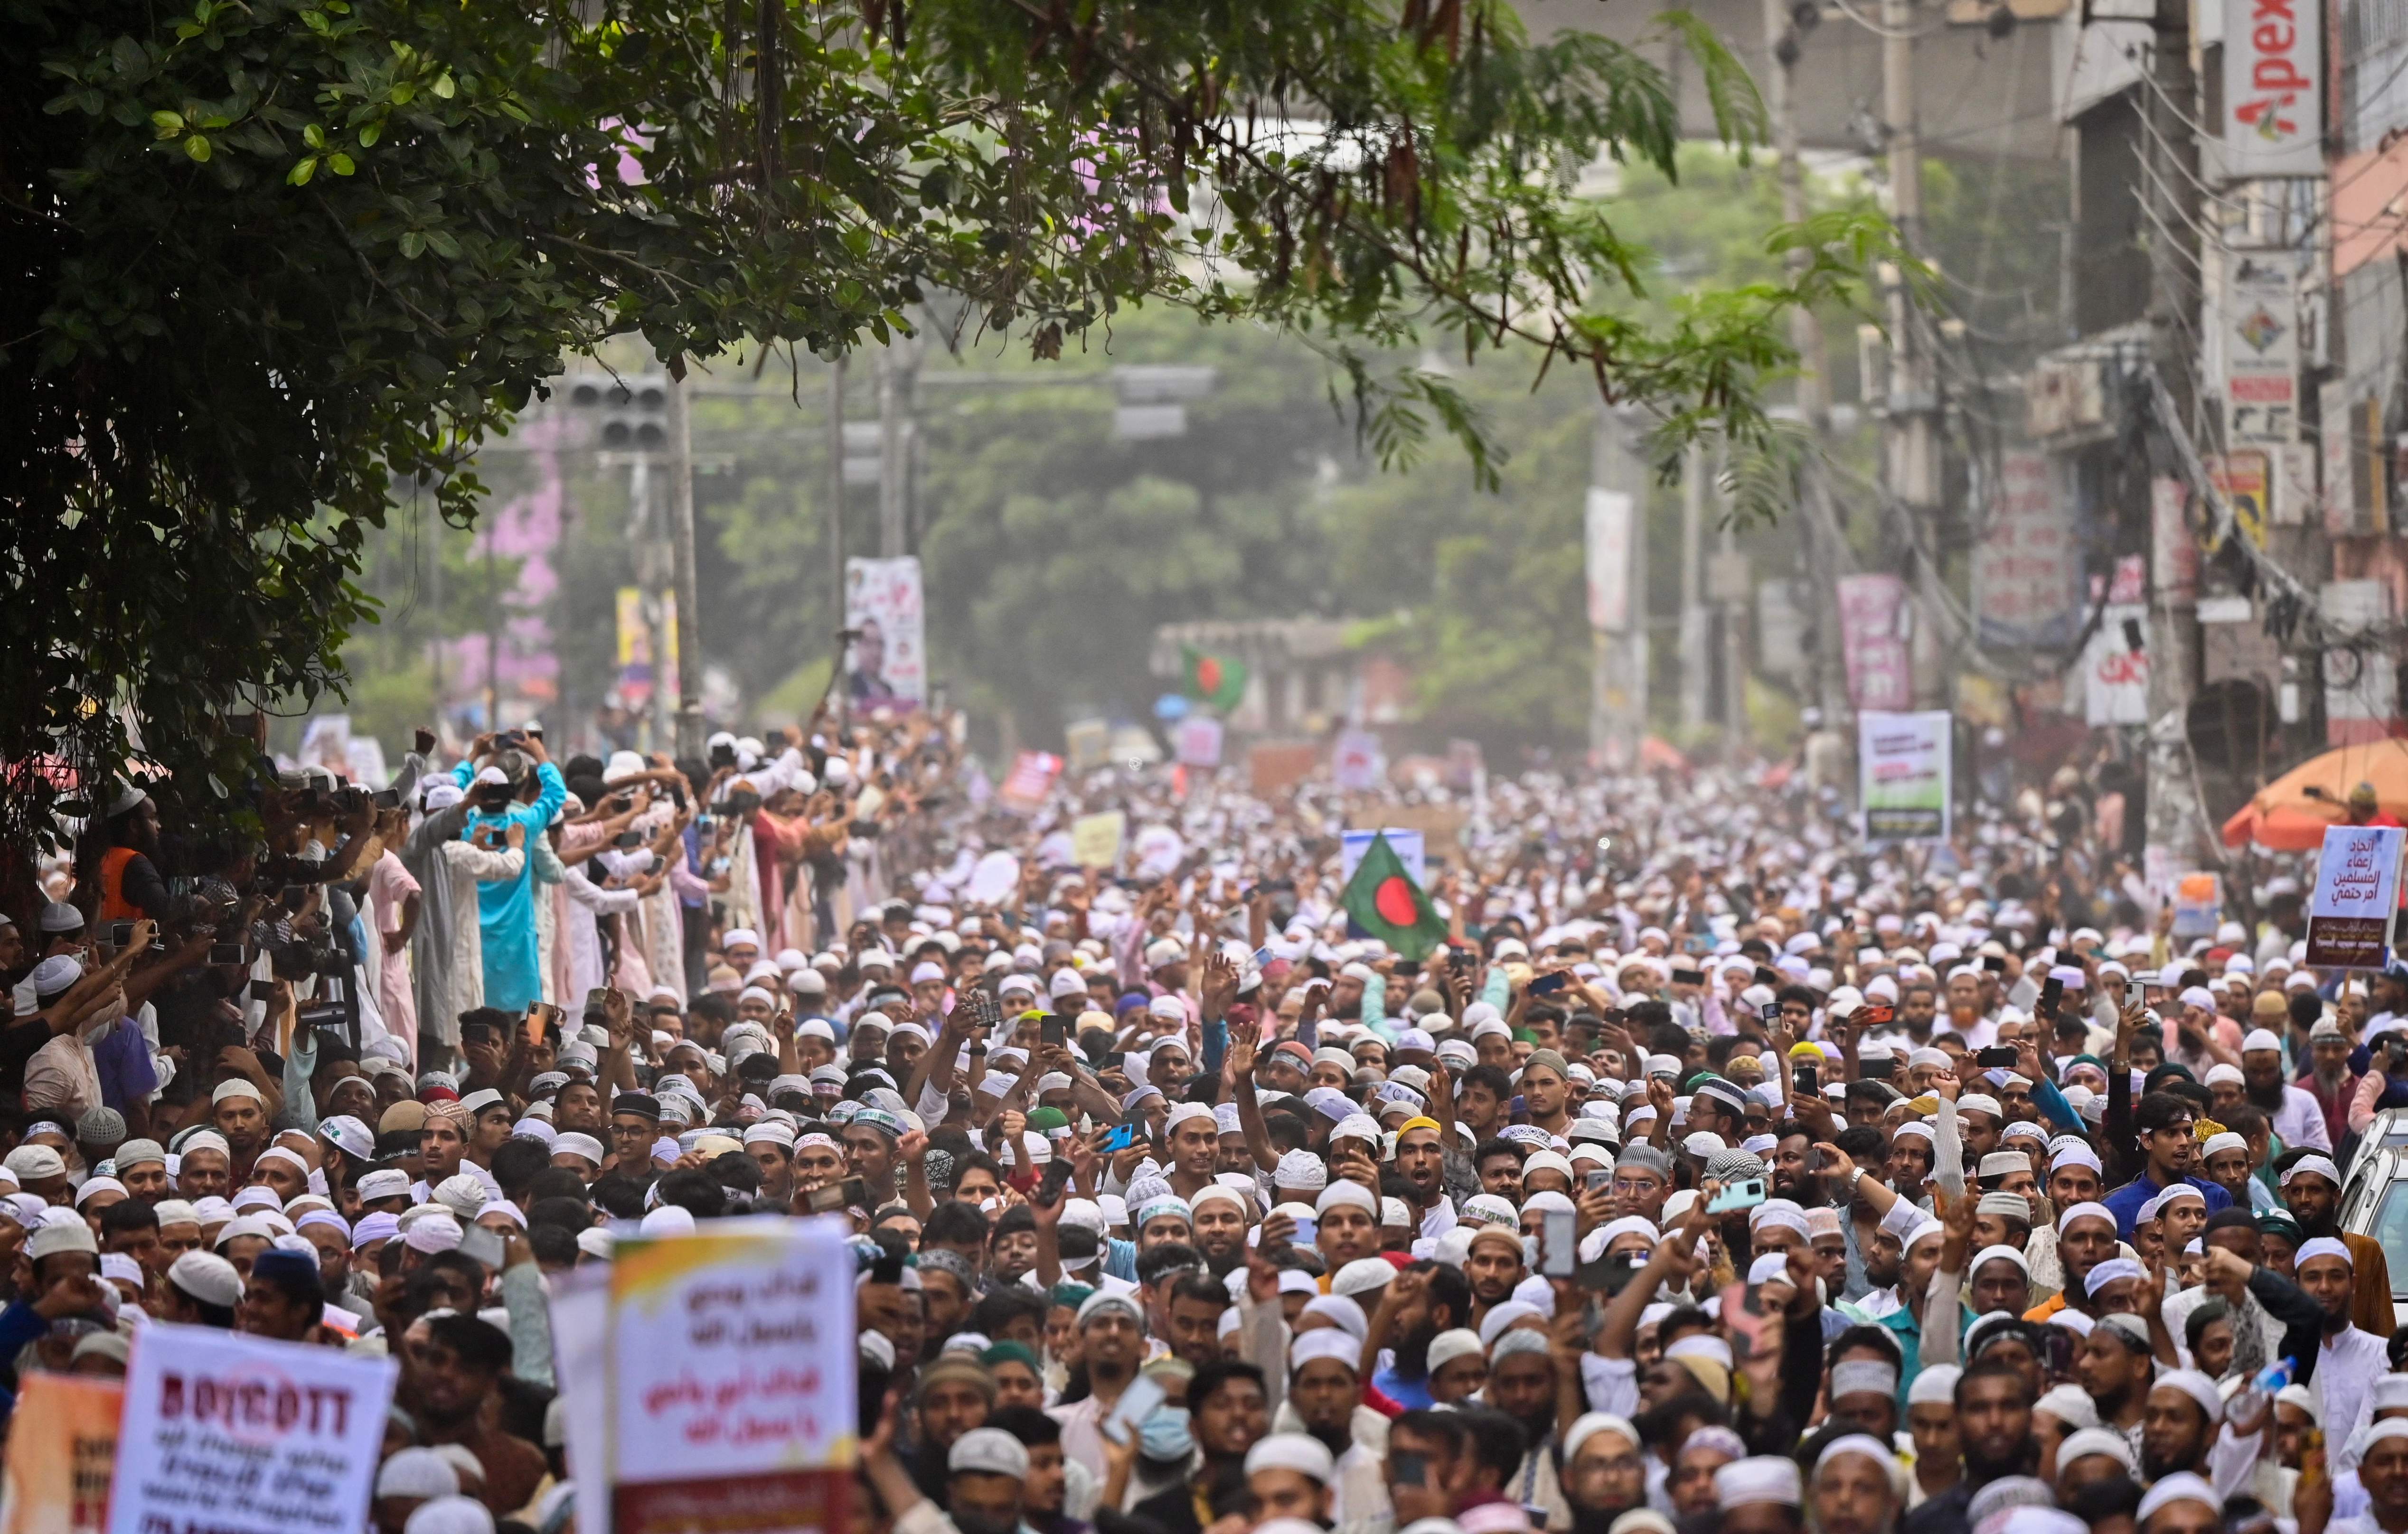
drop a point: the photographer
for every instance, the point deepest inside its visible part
(518, 788)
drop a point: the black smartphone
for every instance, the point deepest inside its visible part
(1878, 1070)
(1407, 968)
(1768, 976)
(386, 798)
(120, 934)
(1050, 1187)
(1051, 1030)
(2001, 1054)
(628, 838)
(222, 953)
(1547, 985)
(2052, 991)
(1809, 1080)
(1994, 964)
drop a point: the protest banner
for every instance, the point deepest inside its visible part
(731, 1358)
(2358, 883)
(1358, 761)
(2199, 906)
(62, 1451)
(1408, 845)
(1095, 839)
(1029, 781)
(226, 1433)
(1198, 739)
(1903, 760)
(887, 664)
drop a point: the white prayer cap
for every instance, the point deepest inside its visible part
(1298, 1452)
(988, 1451)
(451, 1515)
(1759, 1478)
(417, 1472)
(2086, 1441)
(2181, 1486)
(1936, 1385)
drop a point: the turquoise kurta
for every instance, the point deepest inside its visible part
(505, 907)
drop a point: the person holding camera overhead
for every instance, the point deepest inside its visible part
(510, 782)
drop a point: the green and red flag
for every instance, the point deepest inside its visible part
(1384, 901)
(1217, 680)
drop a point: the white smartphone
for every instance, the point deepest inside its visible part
(1135, 1404)
(1559, 1243)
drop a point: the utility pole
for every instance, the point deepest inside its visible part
(899, 369)
(2174, 845)
(836, 521)
(1912, 465)
(1697, 639)
(1817, 522)
(649, 536)
(1618, 532)
(1735, 669)
(688, 667)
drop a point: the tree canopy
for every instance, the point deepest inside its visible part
(273, 258)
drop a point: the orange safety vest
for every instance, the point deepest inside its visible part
(114, 907)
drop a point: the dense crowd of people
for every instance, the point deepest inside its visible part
(1716, 1171)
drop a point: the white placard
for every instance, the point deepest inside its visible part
(2358, 882)
(731, 1352)
(225, 1433)
(1903, 761)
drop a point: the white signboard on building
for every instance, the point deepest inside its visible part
(2273, 89)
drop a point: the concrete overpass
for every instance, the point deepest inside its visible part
(1979, 95)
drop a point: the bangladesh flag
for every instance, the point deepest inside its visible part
(1215, 680)
(1382, 899)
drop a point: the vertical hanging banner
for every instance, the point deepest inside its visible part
(1903, 761)
(1608, 525)
(2358, 882)
(2261, 350)
(887, 664)
(2273, 90)
(731, 1357)
(1880, 671)
(2025, 569)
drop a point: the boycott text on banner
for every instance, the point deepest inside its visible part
(62, 1448)
(230, 1434)
(1903, 760)
(2358, 883)
(731, 1356)
(888, 664)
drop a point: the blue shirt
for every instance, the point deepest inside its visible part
(1412, 1395)
(2124, 1202)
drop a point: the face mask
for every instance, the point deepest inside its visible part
(1164, 1435)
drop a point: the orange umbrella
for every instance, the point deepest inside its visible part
(2290, 814)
